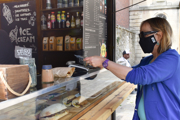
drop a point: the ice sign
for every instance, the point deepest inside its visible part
(7, 13)
(23, 52)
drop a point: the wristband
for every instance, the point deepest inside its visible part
(105, 63)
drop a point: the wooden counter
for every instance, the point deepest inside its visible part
(104, 94)
(104, 107)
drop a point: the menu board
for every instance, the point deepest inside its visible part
(18, 19)
(95, 28)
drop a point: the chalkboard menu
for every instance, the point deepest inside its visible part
(95, 28)
(18, 19)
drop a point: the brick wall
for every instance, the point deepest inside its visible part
(122, 17)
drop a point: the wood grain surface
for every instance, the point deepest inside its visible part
(103, 94)
(17, 77)
(105, 108)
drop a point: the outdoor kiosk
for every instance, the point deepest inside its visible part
(102, 91)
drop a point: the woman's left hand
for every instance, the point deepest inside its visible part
(95, 61)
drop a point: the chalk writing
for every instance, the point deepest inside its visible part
(23, 52)
(17, 15)
(23, 19)
(25, 14)
(17, 19)
(22, 5)
(20, 22)
(7, 13)
(32, 19)
(13, 34)
(25, 35)
(22, 10)
(24, 31)
(33, 47)
(26, 39)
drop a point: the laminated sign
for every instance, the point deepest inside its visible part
(23, 52)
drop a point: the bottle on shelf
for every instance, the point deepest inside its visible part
(76, 3)
(59, 19)
(73, 24)
(71, 3)
(63, 19)
(68, 24)
(78, 21)
(59, 3)
(53, 20)
(81, 2)
(65, 3)
(82, 19)
(43, 22)
(48, 4)
(49, 25)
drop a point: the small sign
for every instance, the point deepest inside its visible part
(23, 52)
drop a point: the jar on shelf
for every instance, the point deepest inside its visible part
(32, 69)
(47, 74)
(48, 4)
(59, 3)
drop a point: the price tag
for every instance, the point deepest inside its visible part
(23, 52)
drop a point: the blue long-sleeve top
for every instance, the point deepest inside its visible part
(161, 81)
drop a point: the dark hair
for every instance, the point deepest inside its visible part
(124, 52)
(161, 24)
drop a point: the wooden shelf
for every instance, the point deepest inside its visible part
(57, 51)
(56, 9)
(62, 29)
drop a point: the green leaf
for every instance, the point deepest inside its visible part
(118, 38)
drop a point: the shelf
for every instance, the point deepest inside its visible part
(62, 29)
(55, 9)
(57, 51)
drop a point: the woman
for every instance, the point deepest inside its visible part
(157, 76)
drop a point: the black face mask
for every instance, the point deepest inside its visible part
(147, 43)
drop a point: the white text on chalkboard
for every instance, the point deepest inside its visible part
(25, 35)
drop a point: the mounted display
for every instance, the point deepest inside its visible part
(18, 19)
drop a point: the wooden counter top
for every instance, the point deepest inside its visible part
(105, 104)
(106, 107)
(104, 94)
